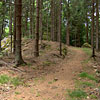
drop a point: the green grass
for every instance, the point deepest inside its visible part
(5, 79)
(88, 51)
(85, 61)
(93, 96)
(80, 84)
(88, 84)
(17, 93)
(16, 81)
(77, 94)
(86, 75)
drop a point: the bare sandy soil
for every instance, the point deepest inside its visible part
(47, 77)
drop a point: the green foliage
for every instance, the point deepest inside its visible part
(93, 96)
(86, 45)
(5, 79)
(64, 51)
(77, 94)
(88, 51)
(88, 84)
(17, 93)
(16, 81)
(86, 75)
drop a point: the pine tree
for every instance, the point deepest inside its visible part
(18, 53)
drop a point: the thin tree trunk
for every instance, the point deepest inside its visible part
(92, 34)
(60, 25)
(26, 23)
(31, 20)
(10, 23)
(41, 32)
(68, 29)
(97, 26)
(36, 52)
(52, 20)
(14, 32)
(87, 28)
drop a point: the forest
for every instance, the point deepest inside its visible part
(49, 50)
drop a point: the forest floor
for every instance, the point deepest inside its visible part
(50, 76)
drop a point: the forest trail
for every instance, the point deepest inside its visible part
(52, 86)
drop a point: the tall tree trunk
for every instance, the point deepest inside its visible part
(31, 20)
(92, 33)
(26, 23)
(10, 23)
(87, 28)
(97, 25)
(18, 53)
(92, 24)
(41, 32)
(52, 20)
(68, 29)
(36, 52)
(14, 31)
(60, 25)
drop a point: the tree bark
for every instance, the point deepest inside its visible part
(60, 25)
(92, 33)
(31, 20)
(41, 32)
(10, 23)
(18, 53)
(97, 26)
(14, 32)
(87, 28)
(68, 28)
(36, 52)
(52, 20)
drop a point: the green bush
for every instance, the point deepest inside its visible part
(86, 45)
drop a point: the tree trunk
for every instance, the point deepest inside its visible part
(26, 24)
(31, 20)
(14, 32)
(87, 28)
(41, 32)
(92, 33)
(36, 52)
(68, 29)
(10, 23)
(97, 26)
(52, 20)
(60, 25)
(18, 55)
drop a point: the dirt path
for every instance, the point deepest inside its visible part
(52, 86)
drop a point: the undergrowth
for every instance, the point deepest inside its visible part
(5, 79)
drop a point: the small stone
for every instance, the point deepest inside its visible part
(95, 67)
(92, 92)
(56, 79)
(88, 97)
(96, 89)
(95, 70)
